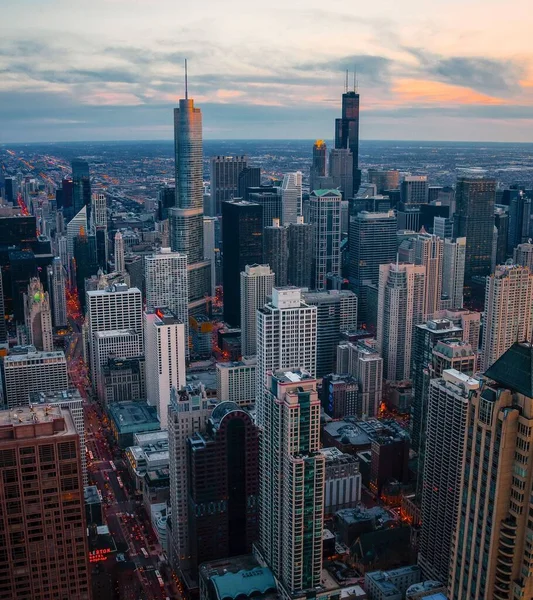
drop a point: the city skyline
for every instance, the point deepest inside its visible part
(78, 77)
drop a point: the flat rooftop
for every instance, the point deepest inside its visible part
(46, 420)
(15, 358)
(292, 376)
(55, 397)
(131, 417)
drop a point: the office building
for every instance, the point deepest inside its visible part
(118, 307)
(43, 439)
(286, 334)
(3, 327)
(242, 241)
(366, 366)
(257, 282)
(166, 281)
(33, 371)
(347, 132)
(372, 243)
(223, 485)
(225, 171)
(58, 289)
(336, 312)
(211, 250)
(490, 555)
(291, 197)
(384, 180)
(425, 338)
(271, 202)
(339, 396)
(300, 243)
(290, 539)
(341, 171)
(414, 189)
(123, 379)
(71, 400)
(236, 381)
(85, 262)
(453, 271)
(186, 219)
(318, 165)
(249, 177)
(38, 317)
(164, 336)
(188, 413)
(428, 252)
(523, 255)
(276, 251)
(474, 219)
(519, 219)
(166, 199)
(443, 227)
(342, 482)
(391, 585)
(81, 187)
(325, 214)
(400, 308)
(508, 306)
(501, 224)
(119, 253)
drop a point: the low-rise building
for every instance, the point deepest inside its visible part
(391, 585)
(343, 481)
(128, 418)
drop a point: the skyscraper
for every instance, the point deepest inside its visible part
(490, 554)
(242, 242)
(341, 171)
(249, 177)
(291, 197)
(318, 165)
(414, 189)
(81, 187)
(523, 255)
(271, 202)
(428, 252)
(276, 251)
(38, 316)
(384, 180)
(400, 308)
(519, 220)
(165, 354)
(120, 266)
(186, 219)
(449, 404)
(453, 271)
(257, 282)
(347, 132)
(508, 311)
(85, 261)
(225, 171)
(99, 227)
(224, 485)
(45, 441)
(291, 518)
(211, 249)
(325, 214)
(474, 219)
(301, 253)
(59, 299)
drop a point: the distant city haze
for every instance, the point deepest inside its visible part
(112, 69)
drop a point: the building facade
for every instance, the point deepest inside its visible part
(325, 215)
(257, 282)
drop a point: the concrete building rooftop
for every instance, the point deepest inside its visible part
(37, 355)
(55, 397)
(46, 421)
(292, 376)
(130, 416)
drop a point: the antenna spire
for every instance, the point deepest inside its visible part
(186, 85)
(355, 83)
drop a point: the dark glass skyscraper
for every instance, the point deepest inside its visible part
(347, 132)
(81, 188)
(242, 244)
(474, 219)
(318, 166)
(187, 219)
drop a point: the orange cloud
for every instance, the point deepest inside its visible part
(417, 91)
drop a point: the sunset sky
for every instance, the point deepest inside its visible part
(113, 69)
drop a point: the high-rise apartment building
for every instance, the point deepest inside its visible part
(242, 242)
(38, 316)
(257, 282)
(372, 243)
(236, 381)
(223, 485)
(292, 507)
(428, 252)
(318, 165)
(225, 171)
(188, 413)
(33, 371)
(325, 215)
(491, 547)
(291, 197)
(508, 311)
(384, 180)
(276, 251)
(58, 288)
(453, 271)
(414, 189)
(523, 255)
(336, 312)
(449, 404)
(186, 219)
(400, 308)
(164, 336)
(286, 334)
(347, 132)
(301, 253)
(443, 227)
(44, 548)
(120, 266)
(474, 219)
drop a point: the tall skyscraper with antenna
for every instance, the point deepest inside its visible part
(187, 218)
(347, 128)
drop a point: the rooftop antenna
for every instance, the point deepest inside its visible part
(346, 83)
(186, 85)
(355, 83)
